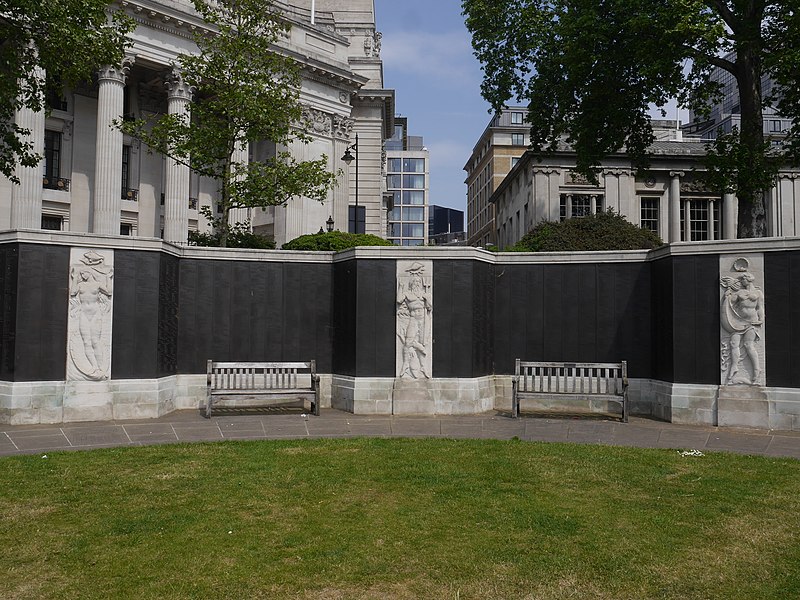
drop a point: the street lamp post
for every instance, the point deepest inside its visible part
(348, 158)
(329, 224)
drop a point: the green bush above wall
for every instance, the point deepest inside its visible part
(604, 231)
(334, 241)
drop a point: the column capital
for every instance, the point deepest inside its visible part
(545, 171)
(117, 74)
(677, 173)
(177, 88)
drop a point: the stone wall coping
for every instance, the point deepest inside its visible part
(115, 242)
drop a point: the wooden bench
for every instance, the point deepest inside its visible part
(260, 384)
(570, 381)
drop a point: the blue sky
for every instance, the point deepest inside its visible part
(427, 59)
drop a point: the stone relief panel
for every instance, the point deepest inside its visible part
(742, 346)
(316, 121)
(414, 319)
(91, 291)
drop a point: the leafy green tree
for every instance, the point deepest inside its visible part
(606, 230)
(591, 69)
(334, 241)
(245, 92)
(68, 40)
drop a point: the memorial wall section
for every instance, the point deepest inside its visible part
(97, 328)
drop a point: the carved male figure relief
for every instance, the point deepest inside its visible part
(742, 319)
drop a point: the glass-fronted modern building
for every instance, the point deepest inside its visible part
(407, 177)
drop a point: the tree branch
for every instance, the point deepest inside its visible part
(717, 61)
(724, 11)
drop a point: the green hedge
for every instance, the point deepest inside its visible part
(335, 241)
(604, 231)
(237, 238)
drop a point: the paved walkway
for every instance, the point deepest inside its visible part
(190, 426)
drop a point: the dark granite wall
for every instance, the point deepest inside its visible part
(41, 308)
(782, 318)
(171, 315)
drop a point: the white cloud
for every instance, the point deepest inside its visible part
(445, 58)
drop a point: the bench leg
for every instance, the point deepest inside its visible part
(208, 408)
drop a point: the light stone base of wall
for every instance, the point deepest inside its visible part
(30, 403)
(387, 396)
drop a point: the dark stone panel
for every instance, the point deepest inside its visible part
(345, 283)
(782, 318)
(443, 318)
(136, 310)
(9, 263)
(662, 334)
(42, 308)
(168, 308)
(484, 339)
(696, 308)
(376, 301)
(632, 341)
(254, 311)
(455, 298)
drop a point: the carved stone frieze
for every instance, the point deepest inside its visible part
(742, 346)
(414, 325)
(695, 186)
(342, 127)
(316, 121)
(91, 291)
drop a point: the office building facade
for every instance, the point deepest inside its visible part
(407, 180)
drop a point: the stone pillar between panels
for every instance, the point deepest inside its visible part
(26, 196)
(729, 206)
(675, 206)
(176, 189)
(712, 223)
(108, 158)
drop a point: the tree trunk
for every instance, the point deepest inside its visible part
(752, 213)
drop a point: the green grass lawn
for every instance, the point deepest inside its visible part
(377, 518)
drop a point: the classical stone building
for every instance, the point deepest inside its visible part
(95, 180)
(671, 198)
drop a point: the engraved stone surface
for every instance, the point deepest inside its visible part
(91, 289)
(742, 347)
(414, 354)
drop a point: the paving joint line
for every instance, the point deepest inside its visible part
(12, 441)
(222, 435)
(175, 433)
(125, 431)
(61, 429)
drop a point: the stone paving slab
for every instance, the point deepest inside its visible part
(96, 436)
(189, 426)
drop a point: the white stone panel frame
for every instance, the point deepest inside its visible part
(414, 320)
(742, 330)
(91, 292)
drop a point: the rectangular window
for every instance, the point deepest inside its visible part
(414, 165)
(394, 165)
(393, 182)
(581, 205)
(395, 230)
(518, 139)
(357, 219)
(413, 197)
(394, 214)
(414, 182)
(125, 228)
(413, 214)
(514, 161)
(412, 242)
(413, 230)
(52, 223)
(126, 171)
(516, 118)
(698, 220)
(775, 126)
(649, 214)
(51, 165)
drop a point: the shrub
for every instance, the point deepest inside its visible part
(604, 231)
(238, 237)
(334, 240)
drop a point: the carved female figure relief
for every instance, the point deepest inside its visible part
(414, 306)
(742, 319)
(90, 292)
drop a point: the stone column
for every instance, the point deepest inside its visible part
(176, 189)
(675, 206)
(729, 206)
(108, 158)
(593, 204)
(26, 197)
(712, 223)
(569, 206)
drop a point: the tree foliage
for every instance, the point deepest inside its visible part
(590, 71)
(334, 241)
(67, 40)
(245, 92)
(604, 231)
